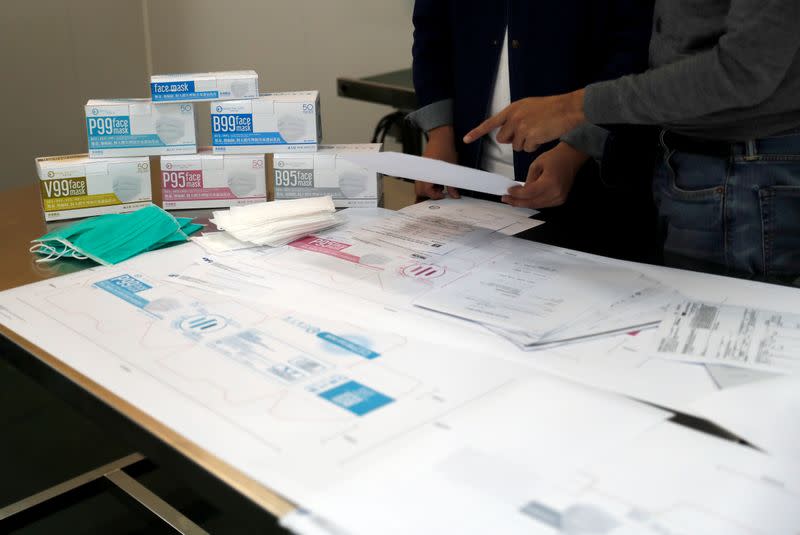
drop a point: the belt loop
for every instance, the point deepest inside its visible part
(751, 151)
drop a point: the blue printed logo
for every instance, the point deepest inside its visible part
(182, 90)
(356, 398)
(231, 123)
(125, 287)
(108, 126)
(349, 345)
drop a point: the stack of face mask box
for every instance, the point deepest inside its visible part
(272, 224)
(122, 134)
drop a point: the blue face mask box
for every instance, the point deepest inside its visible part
(274, 122)
(205, 86)
(139, 127)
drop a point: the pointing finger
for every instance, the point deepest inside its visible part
(486, 126)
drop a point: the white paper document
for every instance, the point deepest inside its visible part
(435, 171)
(539, 294)
(425, 234)
(765, 413)
(731, 335)
(670, 480)
(620, 364)
(285, 396)
(495, 216)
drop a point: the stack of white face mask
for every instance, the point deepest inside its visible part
(277, 223)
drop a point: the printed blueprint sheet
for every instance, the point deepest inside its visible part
(290, 398)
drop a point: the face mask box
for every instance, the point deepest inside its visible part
(207, 180)
(77, 186)
(139, 127)
(326, 173)
(204, 86)
(275, 122)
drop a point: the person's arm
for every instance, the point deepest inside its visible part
(742, 70)
(433, 83)
(432, 64)
(621, 48)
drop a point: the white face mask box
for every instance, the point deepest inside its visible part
(139, 127)
(78, 186)
(204, 86)
(297, 176)
(275, 122)
(207, 180)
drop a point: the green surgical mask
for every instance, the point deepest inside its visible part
(110, 239)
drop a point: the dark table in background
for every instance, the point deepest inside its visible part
(395, 89)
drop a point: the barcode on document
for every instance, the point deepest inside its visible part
(704, 317)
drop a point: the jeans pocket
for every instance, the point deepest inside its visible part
(689, 195)
(694, 176)
(780, 221)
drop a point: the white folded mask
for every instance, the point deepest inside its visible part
(278, 222)
(292, 128)
(240, 88)
(170, 129)
(127, 188)
(242, 184)
(353, 183)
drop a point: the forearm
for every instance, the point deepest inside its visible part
(743, 69)
(433, 115)
(432, 63)
(587, 138)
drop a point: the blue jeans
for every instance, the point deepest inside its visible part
(737, 215)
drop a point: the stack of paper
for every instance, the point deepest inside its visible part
(275, 223)
(547, 298)
(495, 216)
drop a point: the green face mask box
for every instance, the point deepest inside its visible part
(75, 186)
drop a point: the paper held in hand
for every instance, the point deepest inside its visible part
(435, 171)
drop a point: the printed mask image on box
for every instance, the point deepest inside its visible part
(127, 188)
(170, 128)
(205, 86)
(353, 182)
(77, 186)
(293, 128)
(275, 122)
(207, 180)
(244, 89)
(139, 127)
(326, 173)
(242, 184)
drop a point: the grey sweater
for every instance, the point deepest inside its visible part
(720, 69)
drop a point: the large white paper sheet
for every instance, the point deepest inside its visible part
(289, 398)
(619, 364)
(436, 171)
(732, 335)
(765, 413)
(670, 480)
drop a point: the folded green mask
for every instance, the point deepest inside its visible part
(110, 239)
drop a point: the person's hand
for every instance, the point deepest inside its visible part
(532, 121)
(441, 146)
(550, 178)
